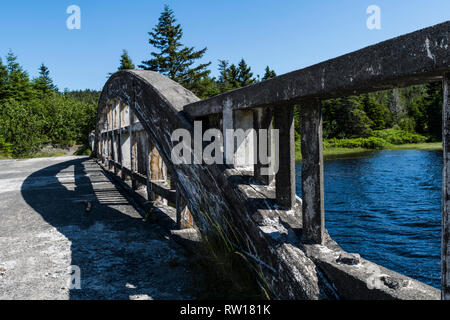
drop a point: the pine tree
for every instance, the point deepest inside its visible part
(223, 81)
(173, 59)
(269, 74)
(125, 62)
(19, 86)
(44, 83)
(3, 80)
(245, 74)
(376, 112)
(433, 110)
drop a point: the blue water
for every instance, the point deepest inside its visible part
(387, 207)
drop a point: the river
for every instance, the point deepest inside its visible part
(387, 207)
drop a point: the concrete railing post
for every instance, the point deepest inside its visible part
(312, 172)
(119, 143)
(285, 177)
(148, 173)
(239, 145)
(133, 146)
(445, 257)
(263, 120)
(115, 156)
(108, 135)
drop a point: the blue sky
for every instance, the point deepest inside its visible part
(284, 34)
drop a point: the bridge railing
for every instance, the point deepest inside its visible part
(415, 58)
(126, 148)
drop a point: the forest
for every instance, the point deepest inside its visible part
(35, 113)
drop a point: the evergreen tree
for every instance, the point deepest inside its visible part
(125, 62)
(233, 77)
(173, 59)
(377, 113)
(207, 87)
(433, 102)
(44, 83)
(245, 77)
(3, 80)
(345, 118)
(18, 83)
(224, 79)
(269, 74)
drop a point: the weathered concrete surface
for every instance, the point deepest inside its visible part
(218, 206)
(230, 203)
(414, 58)
(312, 172)
(355, 278)
(445, 256)
(44, 229)
(285, 177)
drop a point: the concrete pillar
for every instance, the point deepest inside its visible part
(312, 171)
(108, 136)
(445, 257)
(125, 141)
(239, 138)
(113, 136)
(184, 216)
(262, 123)
(119, 142)
(151, 196)
(285, 177)
(132, 149)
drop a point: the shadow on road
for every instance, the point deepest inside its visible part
(120, 256)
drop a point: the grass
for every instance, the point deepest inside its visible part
(58, 151)
(50, 154)
(223, 273)
(3, 157)
(332, 153)
(430, 146)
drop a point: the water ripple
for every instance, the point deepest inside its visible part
(387, 208)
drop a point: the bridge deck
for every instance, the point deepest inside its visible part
(44, 230)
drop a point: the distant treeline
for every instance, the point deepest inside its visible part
(406, 115)
(34, 113)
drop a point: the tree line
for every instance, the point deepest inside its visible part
(409, 115)
(33, 112)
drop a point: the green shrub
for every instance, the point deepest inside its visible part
(5, 148)
(397, 136)
(366, 143)
(54, 118)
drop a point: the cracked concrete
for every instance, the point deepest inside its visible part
(45, 230)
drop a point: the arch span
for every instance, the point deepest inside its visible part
(222, 200)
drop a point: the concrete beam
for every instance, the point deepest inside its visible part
(285, 177)
(446, 191)
(312, 172)
(415, 58)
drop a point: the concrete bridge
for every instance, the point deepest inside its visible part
(250, 207)
(283, 237)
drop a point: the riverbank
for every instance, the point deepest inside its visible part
(52, 151)
(332, 153)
